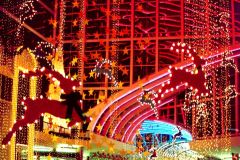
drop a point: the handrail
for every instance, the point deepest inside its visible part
(65, 133)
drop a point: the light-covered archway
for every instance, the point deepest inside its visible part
(126, 112)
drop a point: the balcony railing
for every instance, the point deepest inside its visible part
(60, 131)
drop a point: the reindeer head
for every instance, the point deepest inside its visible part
(198, 61)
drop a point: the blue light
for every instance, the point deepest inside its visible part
(160, 127)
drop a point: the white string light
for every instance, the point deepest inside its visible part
(43, 47)
(29, 12)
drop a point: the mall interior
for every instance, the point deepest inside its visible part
(120, 79)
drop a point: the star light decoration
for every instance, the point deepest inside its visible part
(28, 13)
(53, 22)
(74, 61)
(147, 98)
(103, 67)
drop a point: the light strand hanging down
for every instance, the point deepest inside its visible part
(29, 12)
(46, 51)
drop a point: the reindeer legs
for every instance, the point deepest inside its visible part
(71, 123)
(16, 126)
(20, 123)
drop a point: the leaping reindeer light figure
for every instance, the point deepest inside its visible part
(35, 107)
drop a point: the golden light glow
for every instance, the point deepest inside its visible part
(21, 62)
(31, 128)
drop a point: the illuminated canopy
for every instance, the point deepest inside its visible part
(128, 113)
(160, 127)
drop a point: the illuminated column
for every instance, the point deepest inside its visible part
(25, 61)
(14, 107)
(31, 129)
(55, 17)
(107, 43)
(115, 42)
(82, 40)
(208, 27)
(58, 57)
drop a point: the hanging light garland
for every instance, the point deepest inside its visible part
(46, 51)
(209, 116)
(28, 13)
(115, 10)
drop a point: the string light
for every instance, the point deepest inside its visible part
(228, 91)
(81, 39)
(31, 127)
(209, 116)
(101, 155)
(45, 50)
(179, 150)
(28, 13)
(58, 59)
(114, 57)
(20, 62)
(231, 93)
(5, 110)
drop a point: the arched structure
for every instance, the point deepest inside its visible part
(126, 112)
(25, 61)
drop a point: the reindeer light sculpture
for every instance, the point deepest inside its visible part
(36, 107)
(183, 77)
(195, 79)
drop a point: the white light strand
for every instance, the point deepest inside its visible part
(29, 12)
(43, 47)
